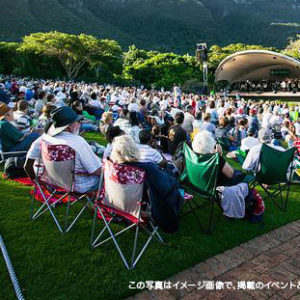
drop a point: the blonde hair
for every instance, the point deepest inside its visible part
(106, 117)
(124, 149)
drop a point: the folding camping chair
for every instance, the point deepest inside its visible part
(274, 167)
(55, 184)
(4, 155)
(200, 179)
(121, 199)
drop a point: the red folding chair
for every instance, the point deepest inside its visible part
(121, 199)
(54, 184)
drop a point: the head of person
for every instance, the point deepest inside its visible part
(251, 132)
(223, 122)
(143, 102)
(179, 118)
(107, 118)
(64, 119)
(6, 113)
(155, 130)
(94, 96)
(124, 149)
(124, 113)
(133, 118)
(264, 136)
(203, 143)
(112, 132)
(23, 106)
(207, 117)
(145, 136)
(51, 98)
(47, 110)
(292, 129)
(212, 104)
(198, 115)
(42, 95)
(189, 109)
(252, 112)
(77, 106)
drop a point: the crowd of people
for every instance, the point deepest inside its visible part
(140, 125)
(290, 85)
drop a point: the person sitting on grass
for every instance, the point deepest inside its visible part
(64, 131)
(111, 133)
(149, 154)
(22, 120)
(251, 162)
(11, 138)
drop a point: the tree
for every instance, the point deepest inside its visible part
(217, 53)
(73, 51)
(293, 48)
(8, 57)
(164, 70)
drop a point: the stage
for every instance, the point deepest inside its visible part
(286, 96)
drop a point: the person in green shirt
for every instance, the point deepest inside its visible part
(11, 138)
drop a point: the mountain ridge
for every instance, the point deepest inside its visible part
(169, 25)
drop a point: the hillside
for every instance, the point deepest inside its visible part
(175, 25)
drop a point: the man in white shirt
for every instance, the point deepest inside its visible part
(149, 154)
(250, 141)
(251, 162)
(133, 106)
(188, 119)
(64, 131)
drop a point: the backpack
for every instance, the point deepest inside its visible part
(14, 167)
(254, 206)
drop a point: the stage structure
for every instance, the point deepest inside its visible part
(258, 65)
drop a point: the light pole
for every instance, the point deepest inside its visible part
(202, 57)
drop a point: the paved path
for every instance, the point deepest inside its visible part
(273, 257)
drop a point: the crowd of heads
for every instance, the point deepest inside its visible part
(162, 119)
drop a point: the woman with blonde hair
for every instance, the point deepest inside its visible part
(124, 150)
(106, 122)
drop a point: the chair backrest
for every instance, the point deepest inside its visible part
(201, 171)
(59, 164)
(274, 164)
(123, 186)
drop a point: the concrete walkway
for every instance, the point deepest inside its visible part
(267, 267)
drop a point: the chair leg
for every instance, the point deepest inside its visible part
(67, 212)
(114, 240)
(134, 245)
(209, 231)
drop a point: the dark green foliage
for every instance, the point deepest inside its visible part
(164, 25)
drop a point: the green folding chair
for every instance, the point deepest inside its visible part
(274, 167)
(200, 179)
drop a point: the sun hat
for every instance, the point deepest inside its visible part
(62, 118)
(4, 109)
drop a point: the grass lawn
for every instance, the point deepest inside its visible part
(51, 265)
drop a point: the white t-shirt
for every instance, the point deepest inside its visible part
(85, 159)
(251, 162)
(133, 107)
(148, 154)
(188, 122)
(249, 142)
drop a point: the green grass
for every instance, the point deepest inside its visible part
(51, 265)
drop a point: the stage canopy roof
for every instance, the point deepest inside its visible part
(257, 65)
